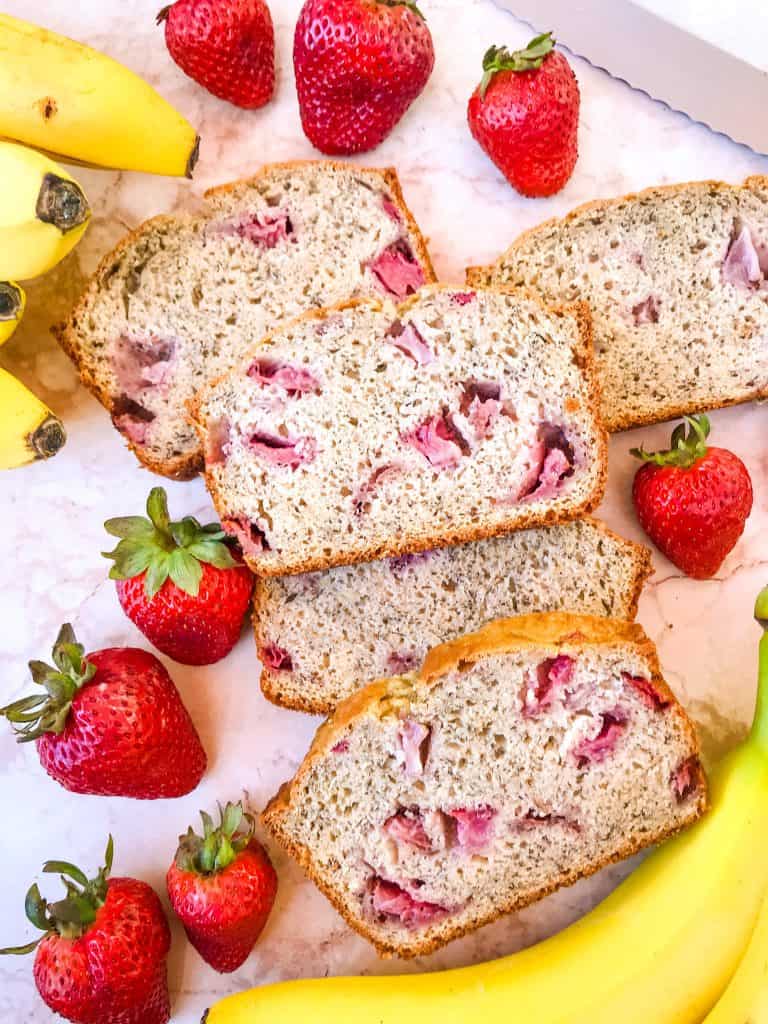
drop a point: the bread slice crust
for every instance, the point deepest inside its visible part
(525, 517)
(556, 632)
(186, 467)
(624, 419)
(271, 682)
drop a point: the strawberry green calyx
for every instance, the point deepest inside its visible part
(410, 4)
(685, 449)
(72, 916)
(166, 550)
(498, 58)
(48, 712)
(219, 845)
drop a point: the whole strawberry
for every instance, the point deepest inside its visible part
(227, 46)
(525, 115)
(222, 885)
(693, 500)
(359, 66)
(102, 959)
(110, 723)
(180, 583)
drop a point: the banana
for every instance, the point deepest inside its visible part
(745, 1001)
(28, 428)
(43, 212)
(12, 304)
(79, 105)
(659, 950)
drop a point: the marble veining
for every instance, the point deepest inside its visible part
(52, 514)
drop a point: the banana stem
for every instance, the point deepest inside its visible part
(759, 733)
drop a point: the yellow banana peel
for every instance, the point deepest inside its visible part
(28, 429)
(13, 302)
(77, 104)
(43, 212)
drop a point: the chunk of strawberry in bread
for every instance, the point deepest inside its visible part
(517, 760)
(181, 300)
(369, 429)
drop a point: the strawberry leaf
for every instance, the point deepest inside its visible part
(219, 845)
(685, 448)
(163, 549)
(185, 571)
(498, 58)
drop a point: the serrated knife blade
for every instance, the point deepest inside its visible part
(650, 53)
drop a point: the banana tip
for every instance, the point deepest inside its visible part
(761, 608)
(193, 157)
(47, 438)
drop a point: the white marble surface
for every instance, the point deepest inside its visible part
(52, 514)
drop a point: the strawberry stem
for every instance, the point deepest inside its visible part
(72, 916)
(48, 712)
(219, 845)
(685, 449)
(498, 58)
(163, 549)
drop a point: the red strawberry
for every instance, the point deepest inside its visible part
(525, 115)
(222, 886)
(227, 46)
(359, 65)
(102, 959)
(693, 501)
(111, 723)
(180, 583)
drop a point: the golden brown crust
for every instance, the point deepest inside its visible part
(525, 517)
(185, 467)
(556, 632)
(619, 420)
(271, 681)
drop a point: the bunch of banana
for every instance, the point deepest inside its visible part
(660, 950)
(77, 104)
(43, 212)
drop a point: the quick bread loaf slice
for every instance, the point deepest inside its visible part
(677, 278)
(182, 298)
(519, 759)
(370, 430)
(319, 634)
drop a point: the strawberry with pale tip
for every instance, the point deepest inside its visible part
(182, 584)
(110, 723)
(525, 115)
(102, 959)
(222, 886)
(693, 500)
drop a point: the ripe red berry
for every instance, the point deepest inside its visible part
(525, 115)
(102, 959)
(359, 66)
(222, 885)
(181, 583)
(110, 723)
(227, 46)
(693, 500)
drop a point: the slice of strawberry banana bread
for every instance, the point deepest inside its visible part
(677, 278)
(182, 298)
(313, 630)
(370, 430)
(520, 758)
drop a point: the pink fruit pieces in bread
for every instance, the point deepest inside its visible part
(518, 759)
(182, 298)
(438, 421)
